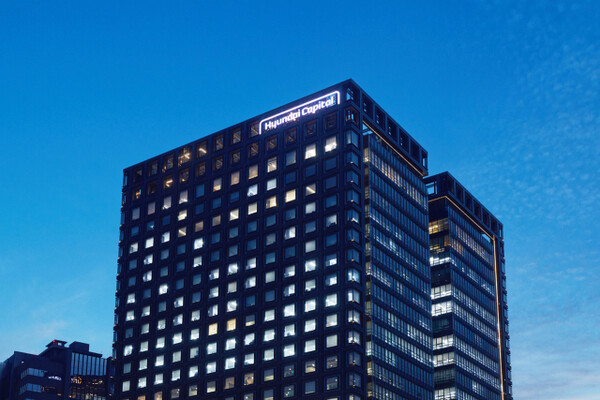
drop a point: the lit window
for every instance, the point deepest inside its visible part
(217, 184)
(310, 265)
(289, 310)
(310, 246)
(289, 271)
(310, 189)
(310, 305)
(330, 144)
(290, 233)
(211, 348)
(234, 178)
(249, 379)
(271, 184)
(249, 339)
(269, 335)
(253, 171)
(177, 338)
(252, 208)
(213, 329)
(269, 315)
(310, 285)
(331, 341)
(271, 202)
(213, 310)
(252, 190)
(232, 305)
(230, 344)
(249, 359)
(290, 158)
(353, 337)
(193, 371)
(232, 269)
(250, 282)
(310, 208)
(269, 276)
(160, 343)
(162, 289)
(269, 355)
(331, 280)
(272, 164)
(231, 325)
(234, 214)
(310, 345)
(211, 367)
(290, 195)
(198, 244)
(331, 320)
(289, 350)
(289, 290)
(230, 363)
(310, 151)
(211, 387)
(331, 300)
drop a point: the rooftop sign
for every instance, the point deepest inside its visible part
(293, 114)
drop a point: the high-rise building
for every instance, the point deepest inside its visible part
(58, 372)
(284, 257)
(470, 320)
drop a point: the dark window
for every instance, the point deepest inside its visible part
(200, 169)
(272, 143)
(331, 121)
(236, 136)
(290, 136)
(218, 144)
(310, 128)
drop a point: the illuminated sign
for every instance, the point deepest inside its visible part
(293, 114)
(54, 377)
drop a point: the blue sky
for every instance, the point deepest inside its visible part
(503, 94)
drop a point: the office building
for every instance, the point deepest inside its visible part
(470, 320)
(285, 257)
(59, 372)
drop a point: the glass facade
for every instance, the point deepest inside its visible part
(399, 346)
(471, 347)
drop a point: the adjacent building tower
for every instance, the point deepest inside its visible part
(285, 257)
(59, 372)
(470, 320)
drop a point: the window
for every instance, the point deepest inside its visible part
(236, 136)
(331, 341)
(353, 337)
(253, 149)
(330, 144)
(290, 158)
(331, 320)
(354, 380)
(271, 202)
(290, 136)
(218, 143)
(272, 164)
(354, 317)
(272, 142)
(217, 184)
(310, 387)
(289, 330)
(310, 151)
(253, 171)
(331, 383)
(331, 300)
(289, 310)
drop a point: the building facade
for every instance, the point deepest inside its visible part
(470, 314)
(284, 257)
(60, 371)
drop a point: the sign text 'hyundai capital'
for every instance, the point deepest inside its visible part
(293, 114)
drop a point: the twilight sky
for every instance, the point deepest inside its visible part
(503, 94)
